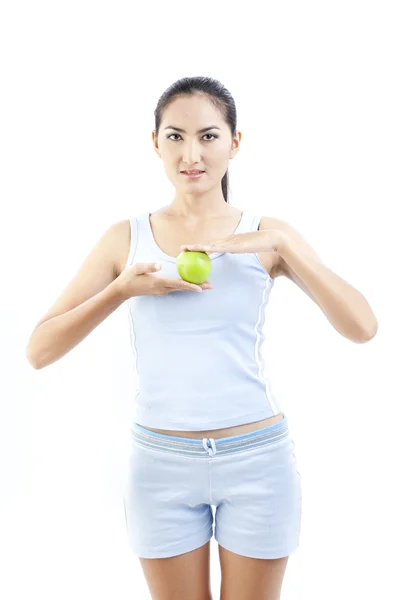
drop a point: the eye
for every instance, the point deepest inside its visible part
(211, 134)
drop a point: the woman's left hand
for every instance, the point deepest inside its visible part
(265, 240)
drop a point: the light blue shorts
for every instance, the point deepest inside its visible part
(173, 484)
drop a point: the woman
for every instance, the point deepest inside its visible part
(208, 431)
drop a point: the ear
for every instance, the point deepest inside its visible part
(155, 143)
(236, 144)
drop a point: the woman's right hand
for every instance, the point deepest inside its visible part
(143, 279)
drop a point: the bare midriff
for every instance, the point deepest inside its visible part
(222, 433)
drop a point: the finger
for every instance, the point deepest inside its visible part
(142, 268)
(191, 287)
(198, 289)
(179, 285)
(196, 248)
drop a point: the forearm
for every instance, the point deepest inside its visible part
(54, 338)
(344, 306)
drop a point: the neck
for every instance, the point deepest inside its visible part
(199, 206)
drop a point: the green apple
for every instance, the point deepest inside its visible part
(193, 267)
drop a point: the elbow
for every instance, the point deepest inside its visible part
(369, 334)
(32, 359)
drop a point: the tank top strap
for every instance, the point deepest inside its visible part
(145, 233)
(249, 222)
(140, 236)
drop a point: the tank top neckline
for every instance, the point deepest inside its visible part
(172, 259)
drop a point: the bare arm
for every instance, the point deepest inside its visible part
(88, 299)
(93, 294)
(55, 337)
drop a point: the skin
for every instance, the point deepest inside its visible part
(196, 200)
(197, 211)
(198, 204)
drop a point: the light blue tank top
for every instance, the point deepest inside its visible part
(198, 356)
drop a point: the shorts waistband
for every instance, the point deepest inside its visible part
(209, 446)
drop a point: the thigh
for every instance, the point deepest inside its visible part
(165, 502)
(183, 577)
(258, 501)
(243, 577)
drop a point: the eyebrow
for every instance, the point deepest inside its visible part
(183, 131)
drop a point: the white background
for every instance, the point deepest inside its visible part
(317, 92)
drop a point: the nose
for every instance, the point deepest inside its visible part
(191, 153)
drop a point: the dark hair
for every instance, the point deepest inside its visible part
(216, 92)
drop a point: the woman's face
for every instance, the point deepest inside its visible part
(183, 146)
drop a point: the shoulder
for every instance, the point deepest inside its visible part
(282, 268)
(271, 261)
(267, 222)
(275, 223)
